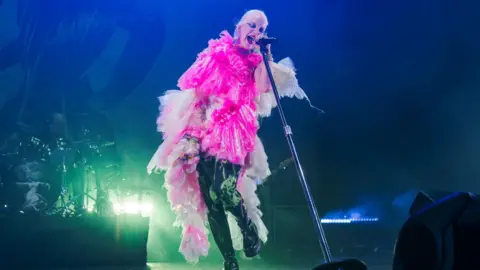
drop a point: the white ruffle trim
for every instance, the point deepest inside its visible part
(287, 85)
(175, 111)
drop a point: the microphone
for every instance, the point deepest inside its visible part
(266, 41)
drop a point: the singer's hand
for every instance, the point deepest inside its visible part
(269, 52)
(262, 80)
(268, 47)
(260, 41)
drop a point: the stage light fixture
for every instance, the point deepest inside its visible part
(348, 220)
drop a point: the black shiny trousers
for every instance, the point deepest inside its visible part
(218, 181)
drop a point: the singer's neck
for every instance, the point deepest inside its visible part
(244, 51)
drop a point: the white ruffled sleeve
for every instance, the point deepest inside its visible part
(287, 84)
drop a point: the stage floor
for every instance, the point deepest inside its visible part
(254, 265)
(243, 266)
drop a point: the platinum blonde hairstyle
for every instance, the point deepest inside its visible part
(244, 18)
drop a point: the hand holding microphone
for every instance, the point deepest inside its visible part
(265, 41)
(265, 46)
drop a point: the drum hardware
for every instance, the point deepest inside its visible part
(105, 176)
(65, 156)
(67, 204)
(63, 207)
(23, 159)
(34, 201)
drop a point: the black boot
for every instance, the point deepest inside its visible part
(251, 242)
(230, 262)
(217, 219)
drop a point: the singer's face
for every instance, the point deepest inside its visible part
(251, 29)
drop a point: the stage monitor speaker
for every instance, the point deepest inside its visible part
(440, 235)
(349, 264)
(57, 242)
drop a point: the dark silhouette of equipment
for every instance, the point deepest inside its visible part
(350, 264)
(440, 234)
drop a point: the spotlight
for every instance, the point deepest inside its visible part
(144, 209)
(442, 234)
(131, 199)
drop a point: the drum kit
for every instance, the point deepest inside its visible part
(59, 178)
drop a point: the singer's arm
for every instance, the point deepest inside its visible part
(262, 80)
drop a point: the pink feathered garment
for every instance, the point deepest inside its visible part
(223, 78)
(216, 104)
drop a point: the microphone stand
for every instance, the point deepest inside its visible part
(344, 265)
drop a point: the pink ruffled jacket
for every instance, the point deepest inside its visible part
(225, 88)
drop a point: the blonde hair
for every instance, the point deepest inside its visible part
(246, 15)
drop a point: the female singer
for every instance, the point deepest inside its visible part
(211, 152)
